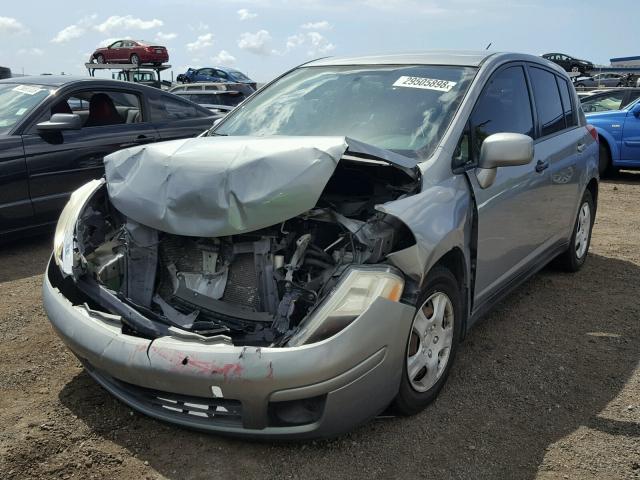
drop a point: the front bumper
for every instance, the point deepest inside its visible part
(234, 390)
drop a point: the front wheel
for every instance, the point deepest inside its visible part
(432, 342)
(100, 58)
(604, 162)
(576, 254)
(135, 59)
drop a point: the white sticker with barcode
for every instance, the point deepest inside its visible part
(425, 83)
(28, 89)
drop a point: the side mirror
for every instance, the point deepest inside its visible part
(61, 121)
(217, 121)
(502, 150)
(636, 110)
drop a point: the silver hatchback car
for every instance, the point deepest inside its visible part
(318, 255)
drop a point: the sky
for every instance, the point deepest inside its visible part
(265, 38)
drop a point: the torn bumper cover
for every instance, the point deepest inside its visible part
(320, 389)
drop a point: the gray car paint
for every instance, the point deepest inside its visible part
(523, 220)
(217, 186)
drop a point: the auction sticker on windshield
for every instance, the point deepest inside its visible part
(425, 83)
(28, 89)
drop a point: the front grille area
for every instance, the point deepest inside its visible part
(204, 410)
(242, 283)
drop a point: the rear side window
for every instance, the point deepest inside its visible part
(565, 93)
(548, 103)
(503, 106)
(171, 107)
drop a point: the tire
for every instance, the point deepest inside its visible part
(100, 58)
(579, 85)
(135, 59)
(416, 393)
(604, 162)
(574, 257)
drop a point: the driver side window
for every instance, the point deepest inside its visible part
(503, 106)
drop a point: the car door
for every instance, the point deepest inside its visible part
(59, 162)
(175, 118)
(16, 211)
(113, 52)
(630, 148)
(558, 145)
(513, 211)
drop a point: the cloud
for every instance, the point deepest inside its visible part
(202, 42)
(245, 14)
(68, 33)
(128, 22)
(201, 27)
(224, 58)
(75, 30)
(165, 37)
(9, 25)
(316, 43)
(31, 51)
(258, 43)
(322, 25)
(295, 40)
(319, 45)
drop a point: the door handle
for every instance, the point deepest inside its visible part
(541, 166)
(144, 139)
(581, 147)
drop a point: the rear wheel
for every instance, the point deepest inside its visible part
(100, 58)
(576, 254)
(135, 59)
(432, 342)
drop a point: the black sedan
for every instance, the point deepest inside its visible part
(569, 63)
(55, 132)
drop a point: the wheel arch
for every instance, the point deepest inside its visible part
(592, 186)
(608, 140)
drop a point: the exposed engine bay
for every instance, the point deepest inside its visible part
(258, 288)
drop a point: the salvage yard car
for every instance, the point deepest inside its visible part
(137, 52)
(318, 256)
(55, 132)
(619, 134)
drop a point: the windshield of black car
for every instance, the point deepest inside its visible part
(17, 101)
(401, 108)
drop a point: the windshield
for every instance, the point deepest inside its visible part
(402, 108)
(16, 101)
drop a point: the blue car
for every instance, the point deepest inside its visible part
(215, 74)
(619, 132)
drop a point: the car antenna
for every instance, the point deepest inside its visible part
(487, 47)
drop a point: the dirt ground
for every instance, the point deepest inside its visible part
(546, 386)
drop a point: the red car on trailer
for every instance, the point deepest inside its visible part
(136, 52)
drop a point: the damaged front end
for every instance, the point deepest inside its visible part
(256, 265)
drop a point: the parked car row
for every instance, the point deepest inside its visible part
(320, 253)
(56, 131)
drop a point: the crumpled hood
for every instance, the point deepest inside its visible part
(218, 186)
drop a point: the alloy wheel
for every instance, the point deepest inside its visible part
(582, 232)
(430, 342)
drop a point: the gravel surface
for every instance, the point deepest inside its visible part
(546, 386)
